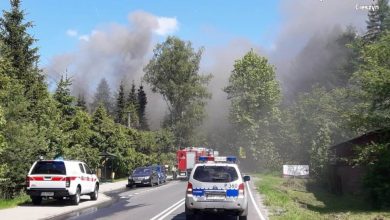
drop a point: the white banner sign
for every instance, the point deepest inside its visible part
(295, 170)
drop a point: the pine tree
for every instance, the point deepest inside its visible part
(378, 20)
(103, 96)
(384, 15)
(18, 49)
(81, 103)
(64, 98)
(120, 105)
(142, 101)
(132, 98)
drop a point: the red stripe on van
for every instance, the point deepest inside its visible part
(58, 178)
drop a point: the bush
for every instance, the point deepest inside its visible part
(377, 180)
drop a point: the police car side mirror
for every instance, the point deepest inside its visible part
(247, 178)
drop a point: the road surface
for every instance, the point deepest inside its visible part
(157, 203)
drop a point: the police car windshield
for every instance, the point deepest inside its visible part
(215, 174)
(49, 167)
(142, 171)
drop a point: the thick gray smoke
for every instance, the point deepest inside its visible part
(310, 25)
(119, 52)
(306, 25)
(115, 52)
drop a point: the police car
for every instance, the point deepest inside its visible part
(216, 185)
(61, 178)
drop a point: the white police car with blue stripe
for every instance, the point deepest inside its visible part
(217, 186)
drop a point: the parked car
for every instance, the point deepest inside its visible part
(143, 176)
(61, 178)
(161, 171)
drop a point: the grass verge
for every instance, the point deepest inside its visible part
(9, 203)
(302, 199)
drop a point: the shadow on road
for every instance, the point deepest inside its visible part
(182, 216)
(54, 203)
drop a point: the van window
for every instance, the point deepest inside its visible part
(81, 168)
(87, 169)
(49, 167)
(220, 174)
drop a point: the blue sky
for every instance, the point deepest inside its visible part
(203, 22)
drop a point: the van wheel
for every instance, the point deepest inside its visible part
(94, 195)
(242, 217)
(36, 200)
(76, 198)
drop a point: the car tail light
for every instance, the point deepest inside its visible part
(241, 188)
(27, 181)
(189, 188)
(67, 181)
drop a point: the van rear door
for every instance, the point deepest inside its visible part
(48, 175)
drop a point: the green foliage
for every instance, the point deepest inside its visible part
(372, 82)
(378, 21)
(320, 119)
(288, 198)
(173, 72)
(81, 103)
(34, 123)
(103, 96)
(17, 48)
(376, 157)
(120, 114)
(142, 101)
(63, 97)
(132, 97)
(255, 95)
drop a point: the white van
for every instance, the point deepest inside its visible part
(61, 178)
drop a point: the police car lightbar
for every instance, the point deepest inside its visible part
(228, 159)
(204, 159)
(231, 159)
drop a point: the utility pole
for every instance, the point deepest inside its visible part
(128, 119)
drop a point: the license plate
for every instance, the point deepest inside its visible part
(215, 197)
(138, 181)
(47, 193)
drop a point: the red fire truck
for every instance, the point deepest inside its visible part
(186, 159)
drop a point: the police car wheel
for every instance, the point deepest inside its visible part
(36, 200)
(190, 215)
(242, 217)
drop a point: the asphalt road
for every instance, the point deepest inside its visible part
(157, 203)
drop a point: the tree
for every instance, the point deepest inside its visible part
(81, 103)
(142, 101)
(64, 98)
(103, 96)
(132, 98)
(372, 84)
(255, 95)
(173, 72)
(18, 48)
(378, 20)
(384, 15)
(120, 106)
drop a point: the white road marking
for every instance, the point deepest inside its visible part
(172, 210)
(254, 203)
(169, 210)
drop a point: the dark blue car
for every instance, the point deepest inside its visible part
(143, 176)
(161, 172)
